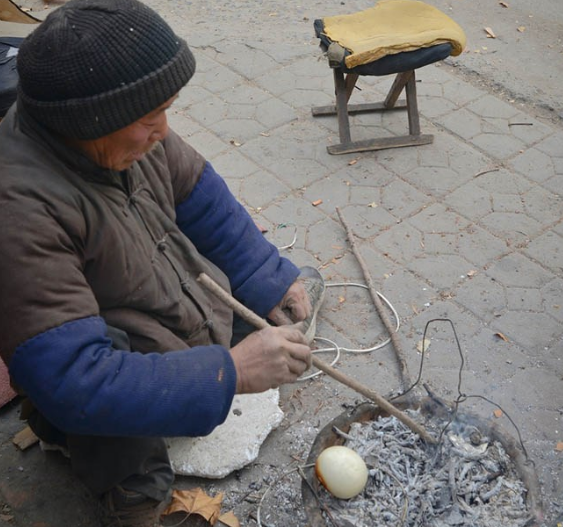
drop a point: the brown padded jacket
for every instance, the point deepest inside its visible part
(68, 221)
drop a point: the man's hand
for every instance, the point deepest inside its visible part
(295, 306)
(270, 357)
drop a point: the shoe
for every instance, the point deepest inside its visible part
(315, 287)
(124, 508)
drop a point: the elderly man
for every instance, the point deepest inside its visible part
(108, 217)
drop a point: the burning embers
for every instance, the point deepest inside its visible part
(468, 479)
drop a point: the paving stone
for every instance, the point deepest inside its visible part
(534, 164)
(528, 129)
(524, 299)
(438, 180)
(518, 271)
(512, 226)
(443, 271)
(498, 146)
(461, 93)
(436, 218)
(326, 239)
(243, 58)
(273, 113)
(333, 193)
(402, 199)
(217, 79)
(207, 143)
(502, 181)
(183, 125)
(367, 220)
(490, 106)
(552, 145)
(365, 172)
(293, 210)
(470, 200)
(399, 160)
(552, 294)
(483, 296)
(462, 122)
(233, 164)
(401, 242)
(478, 246)
(434, 107)
(555, 185)
(533, 331)
(261, 188)
(543, 205)
(190, 94)
(548, 250)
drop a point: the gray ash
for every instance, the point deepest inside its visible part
(467, 480)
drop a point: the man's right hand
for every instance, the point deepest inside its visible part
(270, 357)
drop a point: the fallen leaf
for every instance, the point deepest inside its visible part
(341, 300)
(490, 33)
(229, 519)
(503, 4)
(471, 274)
(559, 446)
(423, 345)
(353, 162)
(498, 413)
(501, 336)
(235, 143)
(521, 29)
(195, 501)
(264, 134)
(372, 205)
(317, 202)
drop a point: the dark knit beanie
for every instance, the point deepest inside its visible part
(95, 66)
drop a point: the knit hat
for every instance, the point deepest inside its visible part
(95, 66)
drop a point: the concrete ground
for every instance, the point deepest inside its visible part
(469, 229)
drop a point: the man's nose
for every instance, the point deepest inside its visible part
(161, 129)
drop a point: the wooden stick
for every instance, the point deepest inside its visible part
(403, 368)
(260, 323)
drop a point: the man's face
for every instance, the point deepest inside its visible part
(120, 149)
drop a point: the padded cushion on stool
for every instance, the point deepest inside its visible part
(391, 27)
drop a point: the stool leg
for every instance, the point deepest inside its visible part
(342, 106)
(399, 83)
(412, 106)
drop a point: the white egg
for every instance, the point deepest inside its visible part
(341, 471)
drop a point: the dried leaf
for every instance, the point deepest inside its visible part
(235, 143)
(229, 519)
(423, 345)
(195, 501)
(559, 446)
(503, 4)
(498, 413)
(471, 274)
(264, 134)
(521, 29)
(341, 300)
(317, 202)
(353, 162)
(490, 33)
(501, 336)
(372, 205)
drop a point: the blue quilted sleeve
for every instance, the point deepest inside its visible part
(84, 386)
(223, 232)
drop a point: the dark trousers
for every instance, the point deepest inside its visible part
(138, 464)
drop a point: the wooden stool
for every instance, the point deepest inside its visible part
(394, 37)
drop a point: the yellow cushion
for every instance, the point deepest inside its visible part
(392, 26)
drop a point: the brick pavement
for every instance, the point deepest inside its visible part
(469, 228)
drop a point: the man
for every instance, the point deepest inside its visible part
(107, 220)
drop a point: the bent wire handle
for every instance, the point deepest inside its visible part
(258, 322)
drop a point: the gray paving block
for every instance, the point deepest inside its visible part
(437, 219)
(434, 107)
(534, 164)
(331, 190)
(217, 79)
(261, 188)
(437, 180)
(548, 250)
(524, 299)
(233, 164)
(401, 242)
(543, 205)
(293, 210)
(367, 220)
(460, 92)
(483, 296)
(244, 58)
(514, 227)
(207, 143)
(478, 246)
(552, 295)
(552, 145)
(533, 331)
(498, 146)
(402, 199)
(462, 122)
(470, 200)
(183, 125)
(528, 129)
(555, 184)
(489, 106)
(518, 271)
(326, 239)
(364, 171)
(443, 271)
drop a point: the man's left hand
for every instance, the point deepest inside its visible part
(294, 307)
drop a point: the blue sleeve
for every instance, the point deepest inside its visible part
(84, 386)
(223, 232)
